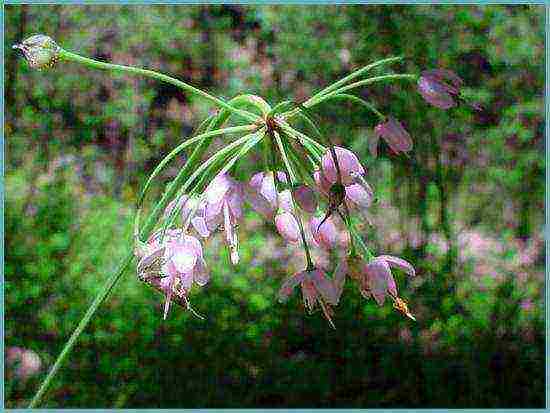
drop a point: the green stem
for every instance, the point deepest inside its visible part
(359, 84)
(353, 75)
(292, 177)
(100, 298)
(64, 54)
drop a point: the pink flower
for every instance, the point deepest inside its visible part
(440, 87)
(183, 265)
(316, 288)
(394, 134)
(327, 235)
(375, 277)
(172, 264)
(222, 203)
(347, 162)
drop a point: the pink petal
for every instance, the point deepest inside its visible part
(324, 286)
(377, 273)
(285, 201)
(201, 274)
(305, 198)
(288, 227)
(348, 162)
(358, 196)
(399, 263)
(326, 235)
(396, 136)
(322, 184)
(289, 284)
(199, 223)
(340, 278)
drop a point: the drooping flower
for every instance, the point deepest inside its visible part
(440, 87)
(327, 234)
(348, 163)
(397, 138)
(376, 279)
(172, 264)
(223, 199)
(316, 288)
(40, 51)
(183, 265)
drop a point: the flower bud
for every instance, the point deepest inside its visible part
(40, 51)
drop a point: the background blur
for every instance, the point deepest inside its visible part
(466, 209)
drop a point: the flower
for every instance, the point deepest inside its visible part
(172, 265)
(183, 265)
(22, 363)
(348, 164)
(376, 280)
(327, 235)
(394, 134)
(223, 199)
(316, 288)
(40, 51)
(440, 87)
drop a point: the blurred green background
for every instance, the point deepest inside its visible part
(466, 209)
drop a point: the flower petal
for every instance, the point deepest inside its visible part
(347, 161)
(324, 286)
(289, 284)
(288, 227)
(399, 263)
(305, 198)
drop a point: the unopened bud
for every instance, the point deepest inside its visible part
(40, 51)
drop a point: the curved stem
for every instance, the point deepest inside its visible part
(64, 54)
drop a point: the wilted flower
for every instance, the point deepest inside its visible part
(40, 51)
(394, 134)
(348, 164)
(440, 87)
(223, 201)
(327, 235)
(316, 288)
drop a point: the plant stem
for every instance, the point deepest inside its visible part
(64, 54)
(100, 298)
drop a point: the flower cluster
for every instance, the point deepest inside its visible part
(312, 194)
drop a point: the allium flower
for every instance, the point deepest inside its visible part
(316, 288)
(440, 87)
(376, 280)
(183, 264)
(40, 51)
(172, 265)
(262, 194)
(327, 235)
(394, 134)
(223, 203)
(347, 162)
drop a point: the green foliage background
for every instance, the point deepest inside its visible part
(466, 208)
